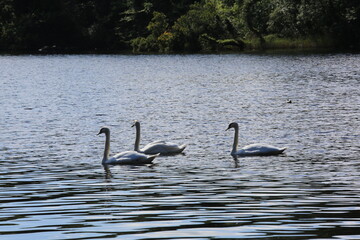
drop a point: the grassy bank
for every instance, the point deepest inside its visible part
(273, 42)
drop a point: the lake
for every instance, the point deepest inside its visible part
(53, 185)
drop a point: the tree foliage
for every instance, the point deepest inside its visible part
(172, 26)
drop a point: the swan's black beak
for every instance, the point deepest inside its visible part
(227, 129)
(134, 123)
(98, 133)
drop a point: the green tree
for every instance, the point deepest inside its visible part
(283, 19)
(158, 39)
(204, 21)
(165, 26)
(7, 25)
(256, 15)
(336, 20)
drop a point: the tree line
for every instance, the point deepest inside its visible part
(177, 25)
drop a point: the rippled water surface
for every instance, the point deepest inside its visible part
(53, 185)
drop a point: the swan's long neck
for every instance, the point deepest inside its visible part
(137, 139)
(236, 139)
(107, 147)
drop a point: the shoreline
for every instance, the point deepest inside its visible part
(256, 51)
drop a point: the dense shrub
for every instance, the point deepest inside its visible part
(170, 26)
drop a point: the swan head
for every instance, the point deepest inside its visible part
(104, 130)
(136, 123)
(233, 125)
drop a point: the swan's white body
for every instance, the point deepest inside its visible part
(123, 158)
(257, 149)
(161, 147)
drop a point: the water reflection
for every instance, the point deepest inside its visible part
(236, 161)
(108, 174)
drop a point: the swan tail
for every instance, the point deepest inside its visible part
(152, 157)
(176, 150)
(182, 147)
(282, 150)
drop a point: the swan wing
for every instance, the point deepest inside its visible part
(259, 149)
(163, 147)
(131, 158)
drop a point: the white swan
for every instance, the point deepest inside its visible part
(162, 147)
(256, 149)
(123, 158)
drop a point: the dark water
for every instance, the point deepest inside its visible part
(53, 185)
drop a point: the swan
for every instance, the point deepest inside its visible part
(123, 158)
(257, 149)
(162, 147)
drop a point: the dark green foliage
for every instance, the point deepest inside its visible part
(171, 26)
(155, 41)
(206, 26)
(256, 17)
(8, 34)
